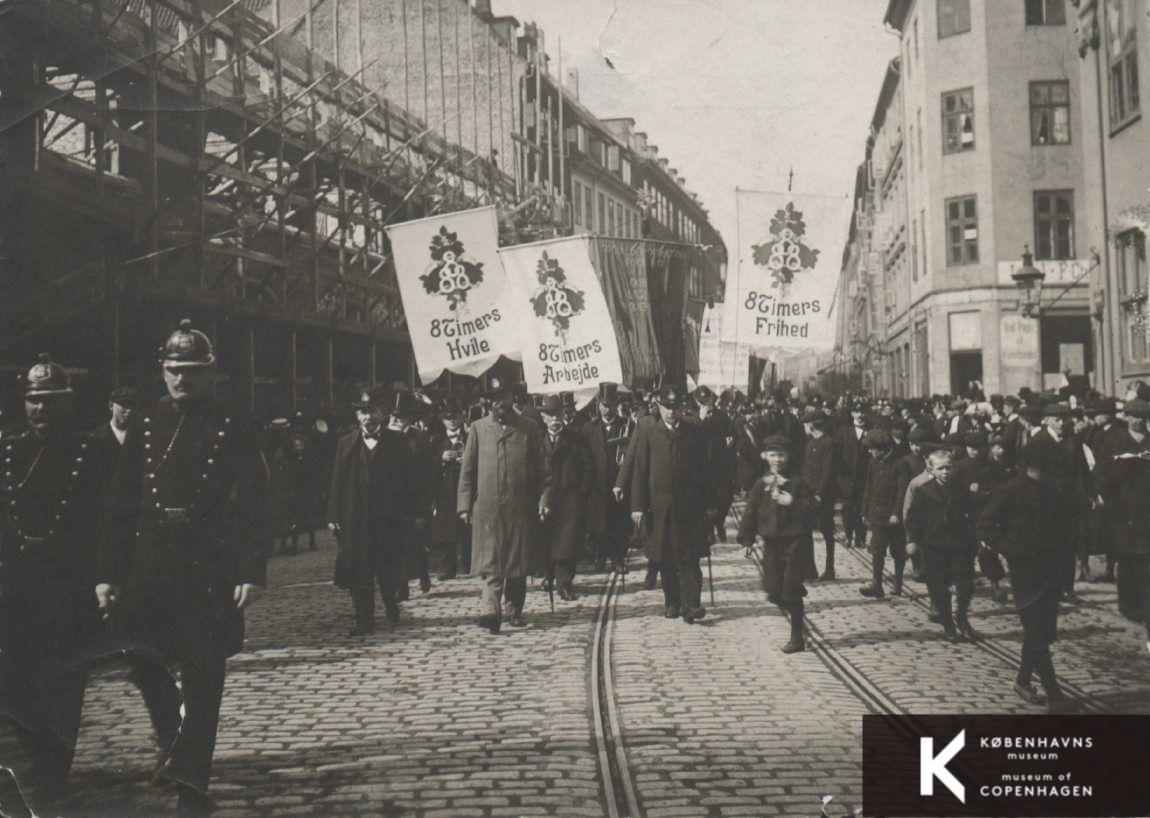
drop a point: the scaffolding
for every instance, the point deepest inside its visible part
(167, 156)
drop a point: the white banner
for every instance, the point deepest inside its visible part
(721, 365)
(454, 292)
(789, 261)
(560, 314)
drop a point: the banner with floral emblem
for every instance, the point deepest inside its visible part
(789, 262)
(560, 312)
(454, 292)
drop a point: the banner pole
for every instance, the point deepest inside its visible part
(738, 281)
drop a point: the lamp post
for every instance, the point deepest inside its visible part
(1029, 280)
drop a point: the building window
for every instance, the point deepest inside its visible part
(581, 139)
(922, 240)
(953, 17)
(577, 202)
(1131, 257)
(626, 167)
(1045, 12)
(914, 251)
(588, 208)
(1054, 224)
(602, 214)
(1122, 57)
(962, 230)
(1050, 113)
(919, 117)
(958, 121)
(611, 217)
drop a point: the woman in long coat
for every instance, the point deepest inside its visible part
(503, 491)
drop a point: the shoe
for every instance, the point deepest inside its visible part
(695, 615)
(1071, 598)
(548, 584)
(794, 646)
(651, 580)
(490, 621)
(517, 620)
(1028, 694)
(951, 635)
(896, 590)
(933, 615)
(192, 802)
(425, 584)
(670, 613)
(1000, 595)
(361, 630)
(567, 592)
(968, 632)
(404, 593)
(600, 564)
(872, 592)
(827, 576)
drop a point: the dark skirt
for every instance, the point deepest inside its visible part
(787, 563)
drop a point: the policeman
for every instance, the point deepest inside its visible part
(187, 541)
(52, 493)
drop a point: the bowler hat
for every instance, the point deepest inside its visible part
(370, 398)
(1056, 409)
(551, 405)
(878, 439)
(975, 440)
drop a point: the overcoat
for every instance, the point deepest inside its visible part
(818, 468)
(371, 501)
(187, 523)
(854, 459)
(748, 453)
(569, 462)
(446, 526)
(503, 478)
(881, 499)
(672, 482)
(607, 445)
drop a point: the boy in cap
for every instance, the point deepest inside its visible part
(881, 509)
(779, 517)
(940, 522)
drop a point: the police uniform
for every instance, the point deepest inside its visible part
(188, 527)
(52, 488)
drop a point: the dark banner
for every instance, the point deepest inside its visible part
(1006, 766)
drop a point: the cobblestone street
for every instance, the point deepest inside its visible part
(437, 717)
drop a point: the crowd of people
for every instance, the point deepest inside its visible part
(188, 497)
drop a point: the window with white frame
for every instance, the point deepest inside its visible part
(953, 17)
(962, 230)
(1054, 224)
(1122, 59)
(1050, 112)
(1130, 252)
(958, 121)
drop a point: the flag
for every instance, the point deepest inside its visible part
(721, 364)
(789, 261)
(560, 312)
(454, 292)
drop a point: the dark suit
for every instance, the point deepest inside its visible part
(820, 458)
(673, 486)
(853, 462)
(608, 526)
(570, 464)
(372, 501)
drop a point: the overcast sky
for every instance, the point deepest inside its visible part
(734, 92)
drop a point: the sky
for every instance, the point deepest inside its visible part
(735, 93)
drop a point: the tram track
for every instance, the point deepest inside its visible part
(858, 681)
(618, 781)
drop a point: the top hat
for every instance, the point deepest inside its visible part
(608, 393)
(187, 347)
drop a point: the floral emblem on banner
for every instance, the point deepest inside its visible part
(786, 255)
(452, 275)
(555, 299)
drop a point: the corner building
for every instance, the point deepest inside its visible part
(993, 165)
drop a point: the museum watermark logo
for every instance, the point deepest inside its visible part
(1005, 766)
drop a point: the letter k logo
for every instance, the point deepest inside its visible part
(933, 766)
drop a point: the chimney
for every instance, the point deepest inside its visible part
(664, 163)
(482, 8)
(639, 142)
(620, 128)
(651, 152)
(571, 83)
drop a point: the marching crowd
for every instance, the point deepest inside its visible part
(144, 542)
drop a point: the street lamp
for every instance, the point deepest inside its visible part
(1029, 280)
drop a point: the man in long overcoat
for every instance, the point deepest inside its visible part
(370, 510)
(672, 494)
(188, 538)
(569, 461)
(504, 490)
(607, 437)
(854, 461)
(721, 451)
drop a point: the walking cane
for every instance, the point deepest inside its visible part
(710, 578)
(551, 594)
